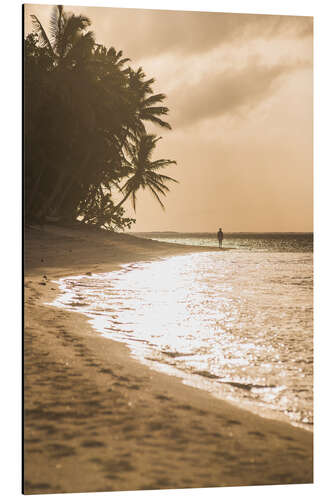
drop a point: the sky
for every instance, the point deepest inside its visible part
(239, 88)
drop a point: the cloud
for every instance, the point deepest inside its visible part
(157, 32)
(143, 33)
(188, 51)
(227, 92)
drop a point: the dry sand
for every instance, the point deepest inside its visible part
(97, 420)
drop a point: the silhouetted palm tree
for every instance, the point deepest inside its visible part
(69, 39)
(86, 112)
(68, 45)
(143, 171)
(146, 101)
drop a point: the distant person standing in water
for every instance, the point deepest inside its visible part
(220, 237)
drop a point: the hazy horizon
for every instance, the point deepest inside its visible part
(239, 90)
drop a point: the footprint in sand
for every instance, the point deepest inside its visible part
(233, 422)
(92, 444)
(256, 433)
(162, 397)
(60, 450)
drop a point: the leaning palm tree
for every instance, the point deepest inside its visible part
(143, 171)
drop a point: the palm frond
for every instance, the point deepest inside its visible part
(42, 36)
(123, 61)
(72, 29)
(159, 186)
(83, 46)
(155, 110)
(55, 23)
(165, 178)
(157, 121)
(157, 197)
(153, 99)
(162, 163)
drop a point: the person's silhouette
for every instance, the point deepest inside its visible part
(220, 237)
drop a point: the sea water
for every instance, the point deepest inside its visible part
(238, 323)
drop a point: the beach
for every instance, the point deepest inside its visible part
(95, 419)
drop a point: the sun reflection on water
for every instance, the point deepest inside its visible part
(214, 318)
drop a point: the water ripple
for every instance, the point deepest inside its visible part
(240, 322)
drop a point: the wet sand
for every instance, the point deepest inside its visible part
(97, 420)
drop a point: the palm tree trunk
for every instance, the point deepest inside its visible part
(72, 180)
(35, 188)
(122, 201)
(63, 195)
(56, 191)
(59, 187)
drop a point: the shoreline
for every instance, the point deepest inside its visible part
(200, 381)
(98, 420)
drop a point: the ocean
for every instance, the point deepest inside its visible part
(238, 323)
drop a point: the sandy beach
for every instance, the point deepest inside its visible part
(97, 420)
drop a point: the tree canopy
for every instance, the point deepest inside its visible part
(85, 126)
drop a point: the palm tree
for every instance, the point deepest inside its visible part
(88, 111)
(143, 171)
(69, 46)
(146, 101)
(69, 39)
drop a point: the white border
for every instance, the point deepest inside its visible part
(11, 245)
